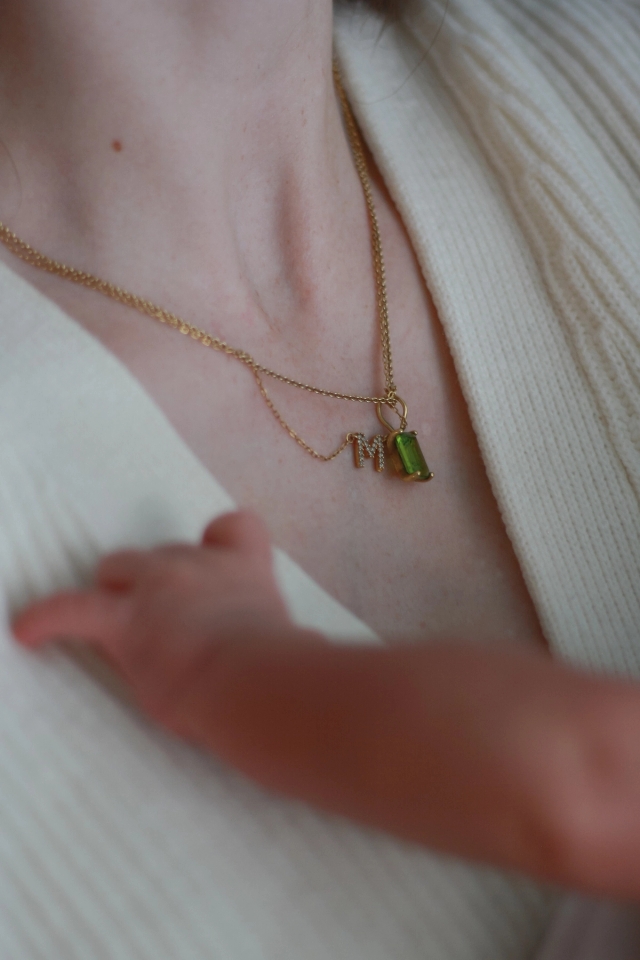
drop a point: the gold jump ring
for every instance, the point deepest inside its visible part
(392, 404)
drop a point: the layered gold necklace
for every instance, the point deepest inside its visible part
(401, 445)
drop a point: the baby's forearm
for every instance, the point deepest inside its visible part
(496, 754)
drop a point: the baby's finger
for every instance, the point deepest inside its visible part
(241, 530)
(94, 615)
(120, 570)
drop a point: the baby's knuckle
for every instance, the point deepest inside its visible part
(166, 573)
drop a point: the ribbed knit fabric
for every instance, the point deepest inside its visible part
(511, 146)
(520, 186)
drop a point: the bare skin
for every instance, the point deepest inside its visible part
(223, 187)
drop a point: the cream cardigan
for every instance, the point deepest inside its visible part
(511, 146)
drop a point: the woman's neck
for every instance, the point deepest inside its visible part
(201, 135)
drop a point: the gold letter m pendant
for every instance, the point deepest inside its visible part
(374, 449)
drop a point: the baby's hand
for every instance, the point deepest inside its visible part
(493, 753)
(164, 616)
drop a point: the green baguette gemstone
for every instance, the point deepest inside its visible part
(411, 456)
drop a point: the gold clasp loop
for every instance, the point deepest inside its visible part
(393, 405)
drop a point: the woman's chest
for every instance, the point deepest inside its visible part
(410, 559)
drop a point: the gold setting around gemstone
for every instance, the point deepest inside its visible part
(407, 457)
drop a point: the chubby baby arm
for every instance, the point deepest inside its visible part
(492, 753)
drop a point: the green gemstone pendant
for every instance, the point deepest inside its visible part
(407, 457)
(401, 444)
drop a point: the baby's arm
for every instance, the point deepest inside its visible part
(496, 754)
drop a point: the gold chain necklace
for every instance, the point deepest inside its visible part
(402, 445)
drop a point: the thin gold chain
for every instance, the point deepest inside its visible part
(24, 251)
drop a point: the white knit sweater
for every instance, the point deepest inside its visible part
(511, 145)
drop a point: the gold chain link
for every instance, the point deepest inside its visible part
(24, 251)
